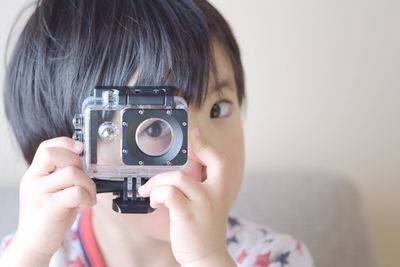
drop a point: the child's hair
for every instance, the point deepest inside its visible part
(68, 47)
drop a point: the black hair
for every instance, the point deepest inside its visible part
(68, 47)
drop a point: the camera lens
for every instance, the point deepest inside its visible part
(154, 137)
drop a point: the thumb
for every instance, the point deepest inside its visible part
(207, 155)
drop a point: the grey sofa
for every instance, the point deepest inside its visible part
(324, 211)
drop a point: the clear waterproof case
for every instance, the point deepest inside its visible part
(132, 132)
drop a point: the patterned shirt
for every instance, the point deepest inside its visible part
(250, 245)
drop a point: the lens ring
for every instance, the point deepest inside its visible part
(154, 137)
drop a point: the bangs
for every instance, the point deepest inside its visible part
(160, 42)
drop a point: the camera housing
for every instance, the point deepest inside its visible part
(131, 134)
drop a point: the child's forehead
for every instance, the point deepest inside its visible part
(213, 87)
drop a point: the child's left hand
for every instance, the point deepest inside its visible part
(198, 210)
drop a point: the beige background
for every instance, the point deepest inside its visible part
(323, 94)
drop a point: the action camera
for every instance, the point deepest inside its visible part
(131, 134)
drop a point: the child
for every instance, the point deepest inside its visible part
(66, 49)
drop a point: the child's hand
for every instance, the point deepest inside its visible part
(198, 210)
(52, 191)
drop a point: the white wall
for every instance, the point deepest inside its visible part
(323, 94)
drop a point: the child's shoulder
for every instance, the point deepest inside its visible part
(5, 241)
(251, 244)
(69, 254)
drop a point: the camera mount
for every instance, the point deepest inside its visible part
(128, 199)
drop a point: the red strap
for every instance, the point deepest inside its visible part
(88, 240)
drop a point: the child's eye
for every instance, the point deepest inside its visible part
(157, 130)
(220, 109)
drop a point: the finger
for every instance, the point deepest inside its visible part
(62, 142)
(67, 177)
(209, 157)
(48, 159)
(171, 197)
(187, 185)
(71, 198)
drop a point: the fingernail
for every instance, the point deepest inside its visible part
(78, 145)
(142, 190)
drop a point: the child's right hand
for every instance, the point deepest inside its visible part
(52, 191)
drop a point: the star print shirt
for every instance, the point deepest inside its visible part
(249, 245)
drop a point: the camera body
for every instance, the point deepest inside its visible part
(132, 133)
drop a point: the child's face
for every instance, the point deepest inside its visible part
(220, 125)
